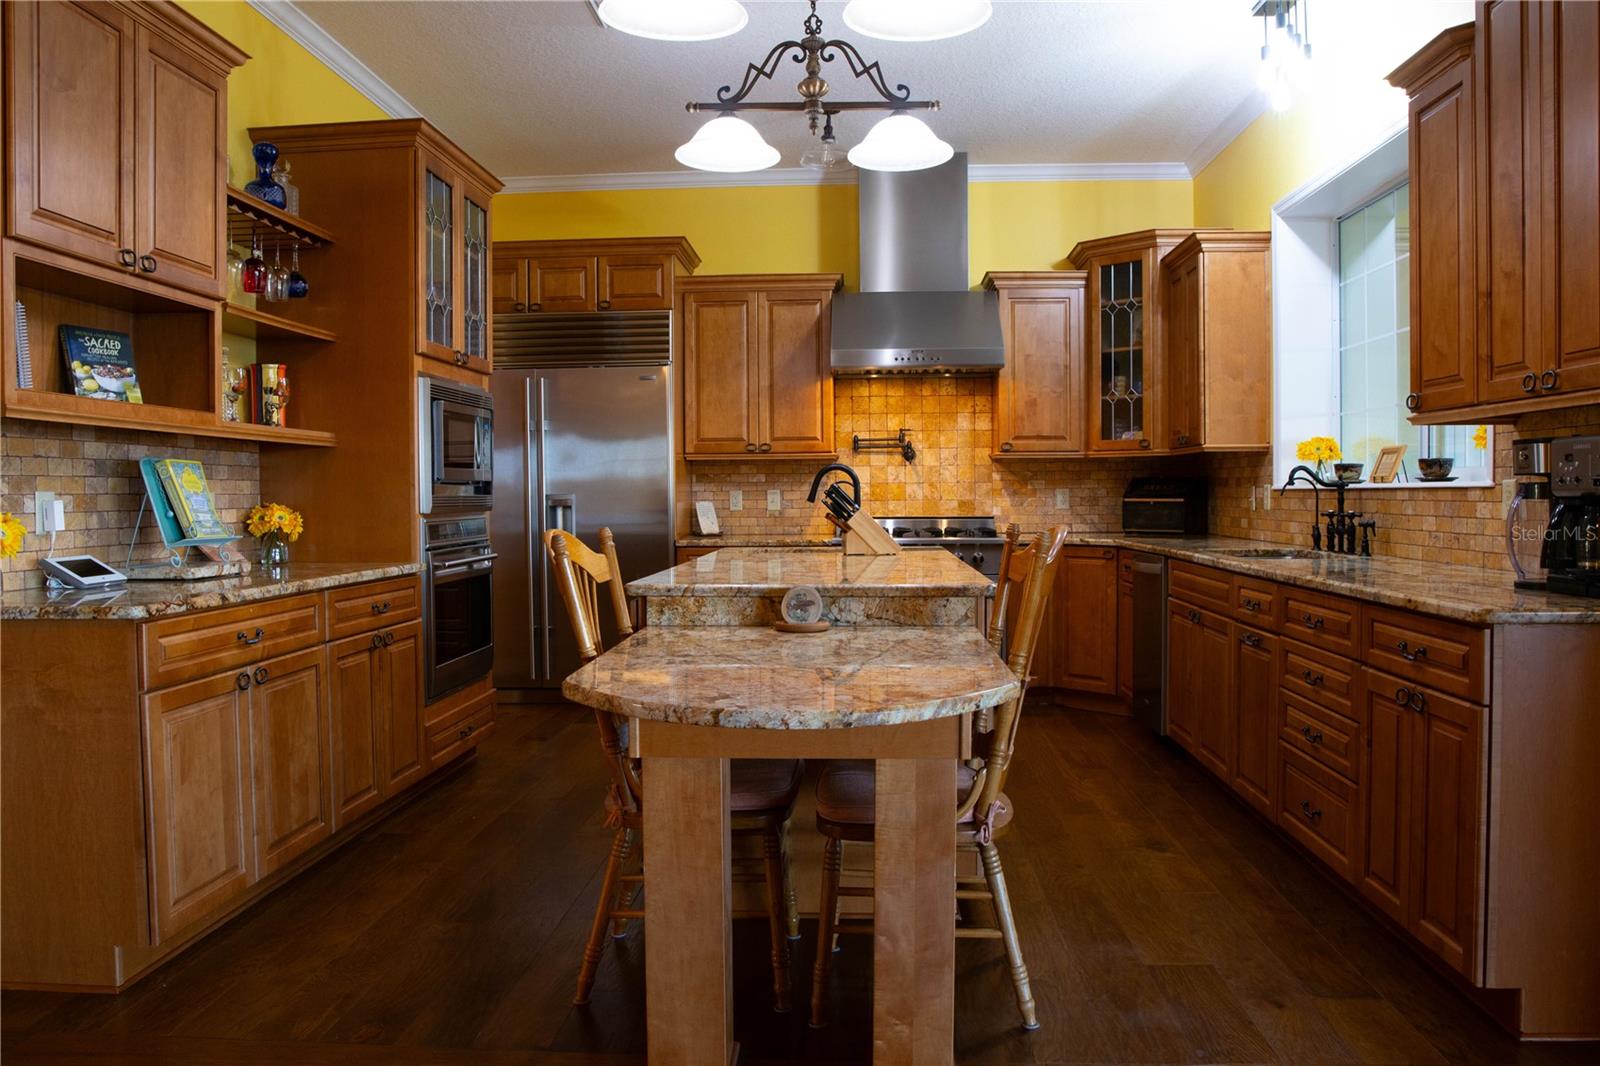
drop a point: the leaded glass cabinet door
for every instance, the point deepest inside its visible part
(1120, 375)
(475, 267)
(439, 302)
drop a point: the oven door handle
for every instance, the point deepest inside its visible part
(476, 564)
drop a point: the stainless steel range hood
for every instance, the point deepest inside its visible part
(914, 313)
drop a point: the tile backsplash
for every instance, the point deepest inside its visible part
(96, 472)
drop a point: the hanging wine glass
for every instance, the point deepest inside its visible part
(299, 287)
(253, 272)
(278, 283)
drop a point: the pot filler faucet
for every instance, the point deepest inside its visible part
(1342, 524)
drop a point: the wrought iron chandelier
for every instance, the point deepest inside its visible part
(899, 142)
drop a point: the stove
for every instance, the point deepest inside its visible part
(976, 541)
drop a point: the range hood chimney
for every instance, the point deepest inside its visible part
(915, 313)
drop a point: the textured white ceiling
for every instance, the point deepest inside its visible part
(540, 88)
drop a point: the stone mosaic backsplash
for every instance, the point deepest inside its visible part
(96, 472)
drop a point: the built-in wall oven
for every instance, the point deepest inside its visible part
(458, 602)
(455, 430)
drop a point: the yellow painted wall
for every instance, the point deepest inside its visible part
(280, 83)
(801, 229)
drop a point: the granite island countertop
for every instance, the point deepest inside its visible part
(758, 572)
(758, 540)
(140, 600)
(753, 677)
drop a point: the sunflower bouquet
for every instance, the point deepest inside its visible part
(1318, 450)
(11, 533)
(276, 527)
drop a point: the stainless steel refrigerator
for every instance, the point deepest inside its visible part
(575, 448)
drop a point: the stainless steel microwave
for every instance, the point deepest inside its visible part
(455, 429)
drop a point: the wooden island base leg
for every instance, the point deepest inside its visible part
(688, 954)
(913, 951)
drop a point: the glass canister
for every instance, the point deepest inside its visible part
(1527, 525)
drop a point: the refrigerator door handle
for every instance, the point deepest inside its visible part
(541, 622)
(561, 512)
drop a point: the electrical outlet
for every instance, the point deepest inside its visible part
(735, 499)
(44, 509)
(1252, 497)
(1266, 497)
(774, 499)
(1063, 499)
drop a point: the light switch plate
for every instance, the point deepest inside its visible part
(774, 499)
(1252, 497)
(1063, 498)
(1266, 497)
(735, 499)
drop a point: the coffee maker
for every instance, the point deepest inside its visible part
(1571, 553)
(1528, 520)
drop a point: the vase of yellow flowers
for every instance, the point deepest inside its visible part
(11, 533)
(1318, 450)
(276, 527)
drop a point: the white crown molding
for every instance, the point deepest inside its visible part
(335, 56)
(697, 179)
(1250, 108)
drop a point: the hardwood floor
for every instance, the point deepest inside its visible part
(1162, 922)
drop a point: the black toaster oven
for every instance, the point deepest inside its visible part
(1173, 506)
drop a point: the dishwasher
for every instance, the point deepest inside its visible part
(1150, 640)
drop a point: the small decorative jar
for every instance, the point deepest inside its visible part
(264, 188)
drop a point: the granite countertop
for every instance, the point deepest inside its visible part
(770, 571)
(758, 540)
(140, 600)
(1464, 593)
(753, 677)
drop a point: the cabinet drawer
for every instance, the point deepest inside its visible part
(458, 734)
(1257, 602)
(1428, 651)
(1330, 681)
(209, 642)
(358, 608)
(1329, 622)
(1317, 808)
(1331, 739)
(1201, 586)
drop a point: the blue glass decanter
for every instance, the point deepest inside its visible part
(264, 188)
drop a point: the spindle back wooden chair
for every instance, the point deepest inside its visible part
(846, 796)
(763, 790)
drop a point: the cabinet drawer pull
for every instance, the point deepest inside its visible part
(1409, 653)
(1413, 401)
(1006, 446)
(126, 257)
(147, 263)
(388, 638)
(1194, 616)
(467, 731)
(1312, 735)
(377, 640)
(260, 676)
(1548, 380)
(1311, 677)
(1311, 621)
(242, 682)
(1312, 813)
(1251, 640)
(1250, 605)
(1530, 382)
(1416, 699)
(244, 638)
(382, 608)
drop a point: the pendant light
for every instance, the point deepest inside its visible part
(675, 20)
(727, 145)
(916, 20)
(900, 142)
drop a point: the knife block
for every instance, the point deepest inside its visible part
(866, 537)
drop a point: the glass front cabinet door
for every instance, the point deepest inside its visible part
(453, 304)
(475, 289)
(1124, 353)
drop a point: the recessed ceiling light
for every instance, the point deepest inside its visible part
(916, 20)
(727, 145)
(900, 142)
(675, 20)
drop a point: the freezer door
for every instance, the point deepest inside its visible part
(514, 532)
(607, 461)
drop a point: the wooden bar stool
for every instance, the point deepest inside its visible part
(763, 790)
(846, 797)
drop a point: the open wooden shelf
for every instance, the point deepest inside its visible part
(264, 325)
(149, 418)
(247, 215)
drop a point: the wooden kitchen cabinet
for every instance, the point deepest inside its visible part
(1085, 601)
(755, 356)
(202, 858)
(1038, 399)
(1214, 695)
(400, 663)
(577, 276)
(289, 758)
(375, 710)
(116, 137)
(1183, 676)
(1252, 715)
(453, 258)
(1216, 346)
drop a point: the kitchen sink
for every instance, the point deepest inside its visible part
(1269, 553)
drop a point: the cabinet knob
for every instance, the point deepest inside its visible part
(1006, 446)
(1144, 442)
(1311, 677)
(242, 682)
(1548, 380)
(1530, 382)
(1312, 813)
(1311, 621)
(519, 306)
(147, 263)
(260, 676)
(766, 447)
(126, 257)
(604, 305)
(388, 638)
(1409, 653)
(533, 306)
(377, 640)
(244, 638)
(1413, 401)
(1251, 640)
(1413, 698)
(1194, 616)
(1313, 736)
(749, 447)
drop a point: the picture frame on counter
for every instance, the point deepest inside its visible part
(1386, 467)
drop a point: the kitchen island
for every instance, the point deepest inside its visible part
(868, 688)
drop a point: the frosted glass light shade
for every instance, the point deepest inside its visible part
(728, 145)
(675, 20)
(900, 142)
(916, 20)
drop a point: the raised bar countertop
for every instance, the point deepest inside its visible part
(748, 572)
(141, 600)
(753, 677)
